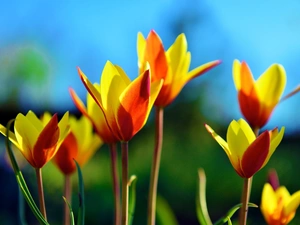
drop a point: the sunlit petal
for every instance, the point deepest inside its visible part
(293, 203)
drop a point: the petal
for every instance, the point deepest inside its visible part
(236, 74)
(63, 127)
(283, 194)
(12, 136)
(26, 135)
(46, 144)
(271, 84)
(255, 155)
(275, 141)
(237, 139)
(35, 121)
(132, 112)
(293, 204)
(201, 70)
(155, 56)
(78, 103)
(246, 79)
(67, 152)
(268, 201)
(141, 46)
(293, 92)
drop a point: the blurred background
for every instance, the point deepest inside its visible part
(42, 42)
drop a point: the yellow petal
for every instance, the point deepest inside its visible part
(236, 73)
(35, 121)
(141, 45)
(113, 84)
(63, 127)
(27, 135)
(12, 136)
(270, 85)
(268, 201)
(293, 203)
(238, 138)
(219, 139)
(275, 141)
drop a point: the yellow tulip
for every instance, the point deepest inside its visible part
(258, 98)
(278, 206)
(38, 139)
(247, 153)
(172, 65)
(126, 105)
(80, 144)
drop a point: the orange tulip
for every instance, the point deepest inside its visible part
(38, 139)
(278, 206)
(258, 98)
(126, 105)
(172, 65)
(80, 144)
(94, 113)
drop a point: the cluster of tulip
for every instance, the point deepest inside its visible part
(117, 108)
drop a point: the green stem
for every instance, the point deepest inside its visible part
(41, 192)
(68, 195)
(116, 183)
(124, 147)
(245, 200)
(159, 117)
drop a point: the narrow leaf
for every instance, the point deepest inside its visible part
(230, 213)
(22, 219)
(20, 179)
(71, 211)
(165, 215)
(81, 211)
(202, 212)
(132, 197)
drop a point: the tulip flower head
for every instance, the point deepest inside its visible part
(80, 144)
(38, 139)
(126, 105)
(258, 98)
(247, 153)
(94, 113)
(278, 206)
(171, 65)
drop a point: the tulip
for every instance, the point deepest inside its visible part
(247, 153)
(171, 65)
(38, 139)
(126, 105)
(258, 98)
(278, 206)
(80, 144)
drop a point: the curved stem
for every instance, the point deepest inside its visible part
(159, 117)
(124, 147)
(41, 191)
(67, 194)
(116, 183)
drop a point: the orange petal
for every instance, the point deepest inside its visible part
(134, 106)
(155, 56)
(45, 147)
(255, 155)
(65, 155)
(247, 81)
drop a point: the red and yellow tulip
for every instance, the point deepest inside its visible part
(278, 206)
(126, 105)
(247, 153)
(258, 98)
(38, 139)
(94, 113)
(171, 65)
(80, 144)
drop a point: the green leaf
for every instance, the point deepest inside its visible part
(20, 179)
(230, 213)
(164, 212)
(132, 198)
(202, 212)
(81, 210)
(70, 210)
(22, 219)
